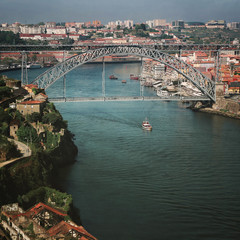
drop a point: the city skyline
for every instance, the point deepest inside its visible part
(106, 10)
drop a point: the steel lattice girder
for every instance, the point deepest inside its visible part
(203, 83)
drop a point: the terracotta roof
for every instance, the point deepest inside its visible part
(44, 95)
(31, 102)
(31, 86)
(64, 227)
(35, 210)
(40, 206)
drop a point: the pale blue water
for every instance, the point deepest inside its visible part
(180, 181)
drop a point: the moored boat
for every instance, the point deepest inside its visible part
(124, 81)
(146, 125)
(133, 77)
(112, 77)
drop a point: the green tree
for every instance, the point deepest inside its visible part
(8, 37)
(5, 92)
(34, 117)
(2, 83)
(27, 134)
(109, 35)
(55, 119)
(4, 116)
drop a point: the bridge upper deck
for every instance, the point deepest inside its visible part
(162, 47)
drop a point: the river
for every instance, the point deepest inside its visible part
(180, 181)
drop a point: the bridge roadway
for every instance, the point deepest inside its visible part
(84, 46)
(128, 98)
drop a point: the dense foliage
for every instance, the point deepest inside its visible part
(27, 134)
(5, 92)
(8, 148)
(48, 196)
(7, 37)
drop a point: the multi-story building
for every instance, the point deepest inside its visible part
(4, 25)
(216, 24)
(150, 23)
(234, 25)
(178, 24)
(111, 25)
(159, 22)
(119, 23)
(50, 24)
(74, 24)
(128, 23)
(56, 30)
(96, 23)
(32, 30)
(158, 70)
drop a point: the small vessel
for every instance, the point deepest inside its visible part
(124, 81)
(146, 125)
(112, 77)
(133, 77)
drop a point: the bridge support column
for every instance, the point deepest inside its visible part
(64, 79)
(103, 79)
(24, 73)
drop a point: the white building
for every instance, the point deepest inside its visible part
(150, 23)
(234, 25)
(216, 24)
(50, 24)
(159, 22)
(32, 30)
(128, 23)
(111, 25)
(119, 23)
(158, 71)
(59, 30)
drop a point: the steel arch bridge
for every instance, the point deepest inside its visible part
(203, 83)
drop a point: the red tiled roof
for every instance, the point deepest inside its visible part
(31, 86)
(35, 210)
(42, 94)
(64, 227)
(31, 102)
(40, 206)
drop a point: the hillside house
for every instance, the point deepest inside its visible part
(29, 107)
(40, 222)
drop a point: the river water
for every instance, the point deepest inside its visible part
(180, 181)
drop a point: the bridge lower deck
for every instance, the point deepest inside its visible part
(122, 98)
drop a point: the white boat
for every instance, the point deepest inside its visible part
(146, 125)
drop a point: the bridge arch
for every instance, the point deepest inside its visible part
(202, 82)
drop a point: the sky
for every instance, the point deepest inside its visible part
(32, 11)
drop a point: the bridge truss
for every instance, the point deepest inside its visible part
(203, 83)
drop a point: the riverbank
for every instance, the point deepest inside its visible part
(219, 113)
(222, 107)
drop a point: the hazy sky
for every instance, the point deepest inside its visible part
(32, 11)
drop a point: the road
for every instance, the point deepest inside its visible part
(24, 149)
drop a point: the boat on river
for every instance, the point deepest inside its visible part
(146, 125)
(113, 77)
(133, 77)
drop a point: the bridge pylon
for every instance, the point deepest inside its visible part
(24, 70)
